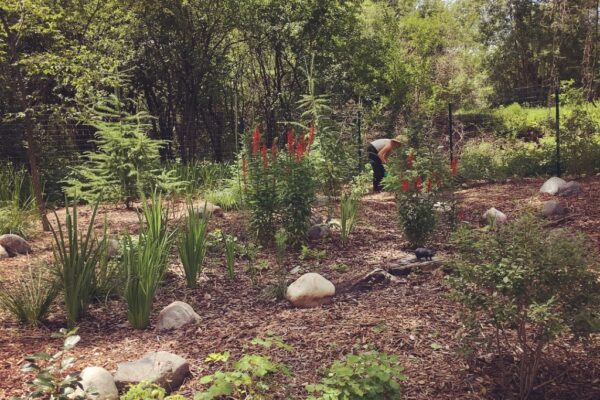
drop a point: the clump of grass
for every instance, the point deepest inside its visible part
(348, 217)
(145, 262)
(76, 257)
(29, 298)
(17, 208)
(193, 244)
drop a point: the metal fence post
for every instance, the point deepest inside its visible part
(557, 102)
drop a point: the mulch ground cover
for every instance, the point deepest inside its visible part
(413, 318)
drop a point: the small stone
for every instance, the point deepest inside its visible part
(176, 315)
(570, 189)
(552, 208)
(494, 217)
(318, 232)
(14, 244)
(113, 248)
(3, 253)
(99, 384)
(310, 290)
(162, 368)
(553, 185)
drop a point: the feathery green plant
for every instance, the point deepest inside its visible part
(76, 256)
(349, 216)
(145, 262)
(30, 297)
(193, 244)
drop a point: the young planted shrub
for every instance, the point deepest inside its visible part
(529, 285)
(76, 257)
(297, 188)
(416, 178)
(366, 376)
(29, 298)
(127, 162)
(260, 174)
(348, 216)
(193, 244)
(145, 262)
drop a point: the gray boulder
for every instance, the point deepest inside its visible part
(570, 189)
(176, 315)
(162, 368)
(494, 217)
(113, 248)
(14, 244)
(318, 232)
(211, 209)
(553, 185)
(98, 384)
(310, 290)
(3, 253)
(553, 208)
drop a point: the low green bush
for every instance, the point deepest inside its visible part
(529, 285)
(348, 215)
(148, 391)
(17, 207)
(366, 376)
(29, 298)
(193, 244)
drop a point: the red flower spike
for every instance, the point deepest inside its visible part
(418, 183)
(454, 167)
(263, 153)
(405, 186)
(311, 135)
(429, 185)
(290, 141)
(300, 148)
(255, 141)
(274, 152)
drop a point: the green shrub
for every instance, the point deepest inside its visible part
(53, 379)
(228, 198)
(127, 162)
(366, 376)
(17, 207)
(76, 257)
(193, 243)
(145, 262)
(198, 177)
(148, 391)
(525, 279)
(29, 298)
(580, 143)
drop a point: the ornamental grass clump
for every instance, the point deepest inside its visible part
(192, 244)
(145, 262)
(522, 286)
(417, 180)
(348, 215)
(76, 257)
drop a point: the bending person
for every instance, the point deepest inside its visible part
(379, 151)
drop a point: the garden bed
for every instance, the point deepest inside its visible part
(411, 318)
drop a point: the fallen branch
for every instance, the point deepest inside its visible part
(377, 276)
(560, 221)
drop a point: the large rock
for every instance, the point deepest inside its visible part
(162, 368)
(553, 185)
(113, 248)
(570, 189)
(318, 232)
(176, 315)
(310, 290)
(3, 253)
(14, 244)
(98, 384)
(211, 209)
(552, 208)
(494, 217)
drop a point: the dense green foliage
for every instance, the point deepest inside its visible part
(523, 278)
(192, 243)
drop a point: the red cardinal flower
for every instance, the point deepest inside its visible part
(300, 148)
(311, 135)
(290, 141)
(255, 141)
(263, 153)
(405, 186)
(418, 183)
(409, 160)
(274, 152)
(429, 185)
(454, 167)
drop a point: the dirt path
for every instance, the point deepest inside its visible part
(405, 319)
